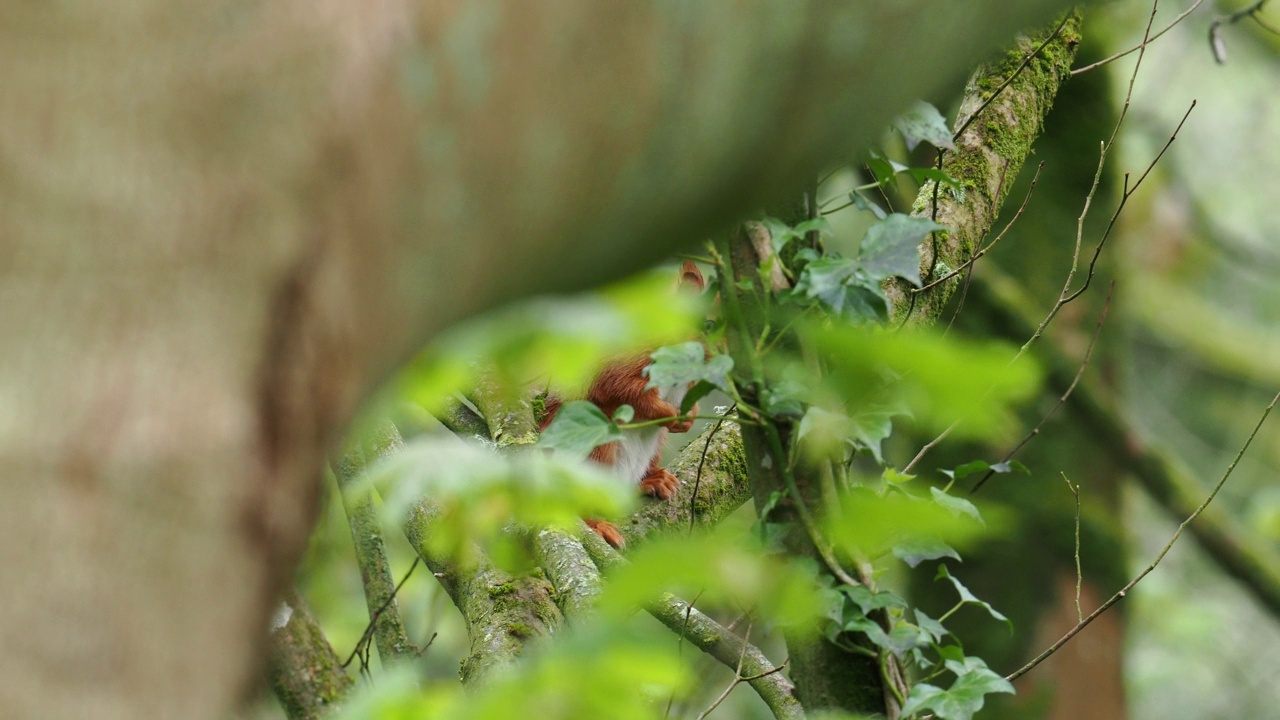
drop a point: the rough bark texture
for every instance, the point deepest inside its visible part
(366, 536)
(721, 643)
(221, 222)
(988, 156)
(306, 676)
(827, 677)
(719, 479)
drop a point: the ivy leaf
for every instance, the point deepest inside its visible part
(965, 697)
(825, 280)
(840, 284)
(935, 629)
(1011, 466)
(963, 471)
(956, 505)
(920, 175)
(624, 414)
(700, 390)
(892, 247)
(862, 203)
(679, 365)
(924, 123)
(915, 550)
(869, 601)
(969, 598)
(578, 428)
(869, 429)
(883, 169)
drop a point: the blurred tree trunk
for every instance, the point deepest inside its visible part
(222, 222)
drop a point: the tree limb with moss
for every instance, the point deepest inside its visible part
(1001, 115)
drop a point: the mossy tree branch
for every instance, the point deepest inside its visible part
(712, 638)
(366, 535)
(305, 674)
(1001, 115)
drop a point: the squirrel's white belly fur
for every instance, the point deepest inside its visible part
(638, 446)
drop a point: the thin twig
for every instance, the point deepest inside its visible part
(929, 446)
(1075, 491)
(737, 675)
(373, 620)
(1181, 16)
(1120, 595)
(1062, 399)
(978, 255)
(1067, 295)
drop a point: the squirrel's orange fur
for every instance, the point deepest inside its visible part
(636, 458)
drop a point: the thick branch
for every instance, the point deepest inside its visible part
(305, 674)
(371, 554)
(1001, 115)
(713, 464)
(712, 638)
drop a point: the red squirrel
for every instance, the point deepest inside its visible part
(636, 457)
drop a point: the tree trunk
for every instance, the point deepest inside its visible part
(222, 222)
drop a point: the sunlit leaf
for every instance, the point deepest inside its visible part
(578, 428)
(719, 569)
(473, 494)
(942, 381)
(870, 525)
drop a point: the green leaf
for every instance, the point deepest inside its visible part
(579, 427)
(969, 598)
(920, 175)
(963, 471)
(623, 414)
(883, 169)
(1011, 466)
(700, 389)
(862, 203)
(915, 550)
(719, 569)
(893, 477)
(924, 123)
(869, 601)
(892, 247)
(956, 505)
(937, 379)
(935, 629)
(680, 365)
(841, 285)
(965, 697)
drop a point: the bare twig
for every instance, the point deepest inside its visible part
(1146, 41)
(978, 255)
(1120, 595)
(362, 645)
(1075, 492)
(1062, 399)
(737, 676)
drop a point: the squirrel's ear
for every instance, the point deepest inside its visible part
(691, 276)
